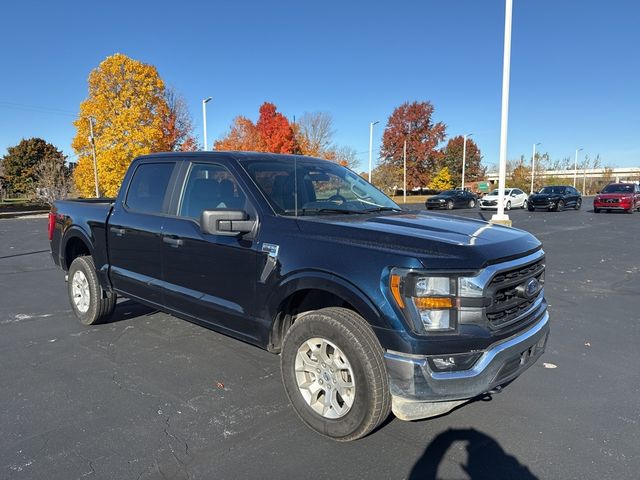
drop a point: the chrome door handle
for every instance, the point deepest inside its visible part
(118, 231)
(174, 242)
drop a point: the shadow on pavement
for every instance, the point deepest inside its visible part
(128, 309)
(485, 458)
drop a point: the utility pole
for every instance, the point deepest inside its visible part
(92, 140)
(533, 165)
(371, 124)
(404, 189)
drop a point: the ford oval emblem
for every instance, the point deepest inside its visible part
(531, 287)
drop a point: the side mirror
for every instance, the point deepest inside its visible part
(224, 221)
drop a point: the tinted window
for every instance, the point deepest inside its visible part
(148, 187)
(618, 188)
(517, 192)
(208, 187)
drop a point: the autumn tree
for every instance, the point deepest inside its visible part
(243, 136)
(275, 131)
(451, 158)
(442, 180)
(20, 164)
(129, 110)
(413, 122)
(177, 125)
(387, 177)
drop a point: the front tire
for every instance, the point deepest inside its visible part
(596, 210)
(90, 303)
(560, 206)
(334, 375)
(449, 205)
(508, 207)
(472, 203)
(578, 204)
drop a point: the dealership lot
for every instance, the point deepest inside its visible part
(151, 396)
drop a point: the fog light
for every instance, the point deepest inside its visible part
(455, 362)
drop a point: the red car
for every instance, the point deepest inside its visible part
(618, 196)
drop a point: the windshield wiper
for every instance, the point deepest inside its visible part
(382, 209)
(327, 210)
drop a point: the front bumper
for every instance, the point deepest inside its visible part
(612, 205)
(439, 205)
(418, 392)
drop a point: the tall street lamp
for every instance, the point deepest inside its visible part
(371, 124)
(204, 120)
(500, 217)
(575, 167)
(533, 165)
(464, 156)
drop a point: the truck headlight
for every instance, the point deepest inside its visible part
(431, 302)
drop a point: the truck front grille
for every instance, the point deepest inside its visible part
(509, 301)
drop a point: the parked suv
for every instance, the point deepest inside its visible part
(618, 196)
(555, 198)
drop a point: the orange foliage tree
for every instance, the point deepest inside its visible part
(243, 135)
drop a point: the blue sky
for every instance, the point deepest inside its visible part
(575, 67)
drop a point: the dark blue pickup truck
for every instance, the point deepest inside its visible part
(373, 309)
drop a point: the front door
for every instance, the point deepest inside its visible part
(210, 277)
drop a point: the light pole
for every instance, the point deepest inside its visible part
(500, 217)
(404, 187)
(575, 168)
(371, 124)
(533, 165)
(464, 156)
(204, 120)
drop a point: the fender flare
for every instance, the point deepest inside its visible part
(330, 283)
(74, 232)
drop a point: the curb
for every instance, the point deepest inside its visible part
(27, 213)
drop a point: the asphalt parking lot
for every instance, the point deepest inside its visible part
(149, 396)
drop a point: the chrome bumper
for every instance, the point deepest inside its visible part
(419, 392)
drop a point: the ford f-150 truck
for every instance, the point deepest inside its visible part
(372, 309)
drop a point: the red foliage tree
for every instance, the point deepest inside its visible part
(275, 131)
(413, 122)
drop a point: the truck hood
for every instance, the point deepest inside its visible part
(437, 241)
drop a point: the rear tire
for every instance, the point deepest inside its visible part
(334, 374)
(508, 207)
(524, 204)
(90, 303)
(472, 203)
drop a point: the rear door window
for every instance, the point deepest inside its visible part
(148, 187)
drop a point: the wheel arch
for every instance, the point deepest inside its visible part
(75, 243)
(309, 291)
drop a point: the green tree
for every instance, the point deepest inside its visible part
(387, 177)
(442, 180)
(451, 157)
(20, 164)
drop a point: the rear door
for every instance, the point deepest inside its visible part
(210, 277)
(135, 229)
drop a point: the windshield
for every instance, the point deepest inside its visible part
(308, 186)
(618, 188)
(557, 190)
(496, 192)
(449, 192)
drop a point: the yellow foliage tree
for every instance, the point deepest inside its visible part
(442, 180)
(127, 104)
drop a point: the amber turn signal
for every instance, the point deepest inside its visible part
(395, 290)
(433, 303)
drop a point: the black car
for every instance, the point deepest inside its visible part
(451, 199)
(555, 198)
